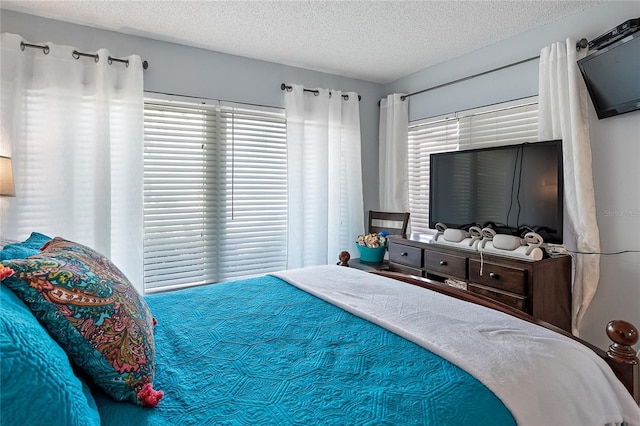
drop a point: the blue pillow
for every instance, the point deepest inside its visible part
(26, 248)
(38, 382)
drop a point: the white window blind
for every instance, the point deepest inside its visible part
(215, 194)
(507, 123)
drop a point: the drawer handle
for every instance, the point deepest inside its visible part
(494, 275)
(443, 263)
(404, 253)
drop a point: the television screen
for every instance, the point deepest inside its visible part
(612, 76)
(513, 189)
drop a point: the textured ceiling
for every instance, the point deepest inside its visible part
(378, 41)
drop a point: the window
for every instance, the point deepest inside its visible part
(215, 192)
(501, 124)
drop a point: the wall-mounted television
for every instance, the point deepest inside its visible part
(612, 76)
(513, 189)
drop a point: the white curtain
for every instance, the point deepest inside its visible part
(324, 165)
(393, 154)
(74, 129)
(563, 114)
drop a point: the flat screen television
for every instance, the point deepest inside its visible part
(513, 189)
(612, 76)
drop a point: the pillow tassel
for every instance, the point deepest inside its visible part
(6, 272)
(149, 397)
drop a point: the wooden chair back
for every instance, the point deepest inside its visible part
(395, 223)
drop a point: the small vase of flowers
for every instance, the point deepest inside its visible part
(372, 247)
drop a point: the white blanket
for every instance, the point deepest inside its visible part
(542, 377)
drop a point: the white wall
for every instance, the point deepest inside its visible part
(615, 147)
(182, 70)
(615, 144)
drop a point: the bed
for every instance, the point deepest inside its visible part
(324, 345)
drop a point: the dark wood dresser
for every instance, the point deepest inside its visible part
(541, 288)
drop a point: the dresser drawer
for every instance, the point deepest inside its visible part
(406, 255)
(396, 267)
(446, 264)
(518, 302)
(498, 276)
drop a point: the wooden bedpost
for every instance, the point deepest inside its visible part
(624, 335)
(344, 258)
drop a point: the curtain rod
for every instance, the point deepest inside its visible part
(579, 45)
(315, 92)
(76, 54)
(460, 80)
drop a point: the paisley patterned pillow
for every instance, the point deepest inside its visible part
(94, 313)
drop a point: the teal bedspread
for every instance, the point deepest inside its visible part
(262, 352)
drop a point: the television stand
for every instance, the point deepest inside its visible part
(540, 288)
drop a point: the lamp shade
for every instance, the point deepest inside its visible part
(7, 188)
